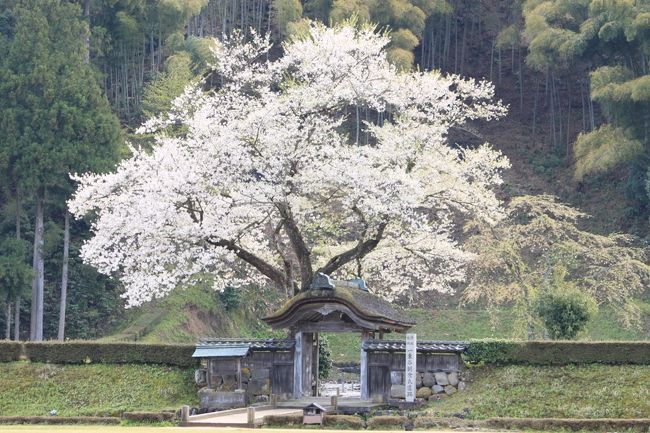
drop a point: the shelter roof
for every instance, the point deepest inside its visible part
(220, 347)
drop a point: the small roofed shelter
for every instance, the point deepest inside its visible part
(333, 306)
(313, 413)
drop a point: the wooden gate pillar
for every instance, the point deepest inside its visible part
(297, 366)
(363, 370)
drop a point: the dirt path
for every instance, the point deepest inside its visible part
(118, 429)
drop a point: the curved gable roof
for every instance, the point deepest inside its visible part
(365, 309)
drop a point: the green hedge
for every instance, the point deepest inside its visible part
(80, 352)
(59, 420)
(10, 351)
(557, 352)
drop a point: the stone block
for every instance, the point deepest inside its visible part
(437, 389)
(441, 379)
(418, 380)
(397, 377)
(228, 382)
(428, 380)
(424, 392)
(211, 400)
(398, 391)
(449, 390)
(259, 386)
(453, 378)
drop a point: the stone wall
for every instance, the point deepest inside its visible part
(437, 374)
(428, 384)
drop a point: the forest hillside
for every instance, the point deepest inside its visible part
(574, 75)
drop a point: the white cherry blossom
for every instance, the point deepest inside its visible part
(269, 183)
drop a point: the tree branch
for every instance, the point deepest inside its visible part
(358, 252)
(267, 269)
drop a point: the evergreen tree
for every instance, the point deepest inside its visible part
(54, 116)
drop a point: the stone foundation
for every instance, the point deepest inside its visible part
(429, 384)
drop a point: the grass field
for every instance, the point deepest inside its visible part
(118, 429)
(590, 391)
(33, 389)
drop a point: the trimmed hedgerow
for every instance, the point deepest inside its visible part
(59, 420)
(80, 352)
(10, 351)
(350, 422)
(386, 422)
(556, 352)
(282, 420)
(149, 417)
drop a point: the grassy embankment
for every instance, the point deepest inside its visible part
(188, 315)
(589, 391)
(33, 389)
(464, 324)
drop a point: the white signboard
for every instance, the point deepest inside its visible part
(411, 367)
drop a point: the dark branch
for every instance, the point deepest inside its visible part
(267, 269)
(358, 252)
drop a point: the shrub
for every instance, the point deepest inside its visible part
(283, 420)
(387, 422)
(149, 417)
(58, 420)
(556, 352)
(565, 312)
(324, 358)
(10, 351)
(433, 422)
(343, 422)
(230, 298)
(79, 352)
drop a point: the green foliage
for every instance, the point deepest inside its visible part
(29, 389)
(571, 391)
(52, 106)
(344, 422)
(230, 298)
(401, 58)
(160, 93)
(540, 236)
(15, 272)
(285, 12)
(609, 38)
(405, 39)
(325, 363)
(602, 149)
(564, 309)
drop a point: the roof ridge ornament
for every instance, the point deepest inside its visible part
(322, 281)
(361, 283)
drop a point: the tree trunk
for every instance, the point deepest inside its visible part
(8, 324)
(64, 276)
(36, 325)
(17, 319)
(17, 301)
